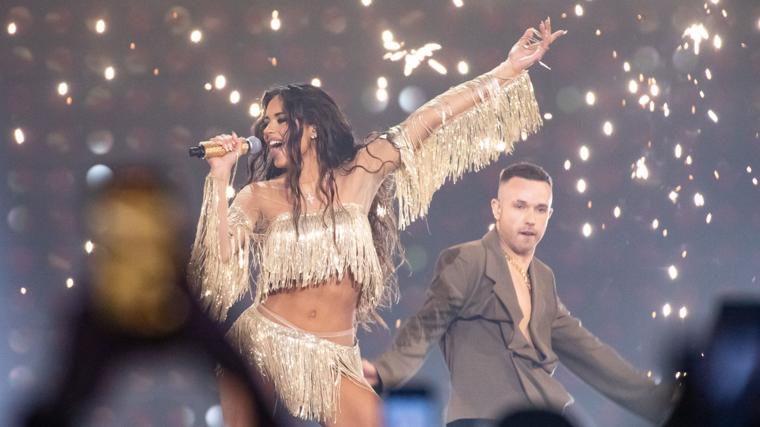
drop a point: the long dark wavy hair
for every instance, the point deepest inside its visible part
(336, 148)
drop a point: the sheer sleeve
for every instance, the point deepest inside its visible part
(220, 261)
(463, 129)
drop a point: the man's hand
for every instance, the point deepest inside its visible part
(370, 373)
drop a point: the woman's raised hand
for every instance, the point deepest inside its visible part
(529, 49)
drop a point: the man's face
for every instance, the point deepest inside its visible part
(522, 212)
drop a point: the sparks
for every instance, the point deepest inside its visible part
(697, 33)
(699, 200)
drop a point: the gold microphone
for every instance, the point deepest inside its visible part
(209, 149)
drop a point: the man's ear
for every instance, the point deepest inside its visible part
(495, 209)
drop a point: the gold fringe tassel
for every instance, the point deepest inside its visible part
(471, 141)
(219, 283)
(287, 261)
(306, 370)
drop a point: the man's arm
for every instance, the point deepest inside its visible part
(414, 338)
(604, 369)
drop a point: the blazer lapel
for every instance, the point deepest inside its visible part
(538, 306)
(496, 270)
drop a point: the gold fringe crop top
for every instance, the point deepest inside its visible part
(502, 115)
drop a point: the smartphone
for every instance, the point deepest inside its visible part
(411, 407)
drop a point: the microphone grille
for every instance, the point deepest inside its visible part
(254, 144)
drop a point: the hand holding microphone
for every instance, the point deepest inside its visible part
(223, 144)
(222, 151)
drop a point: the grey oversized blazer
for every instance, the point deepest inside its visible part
(471, 310)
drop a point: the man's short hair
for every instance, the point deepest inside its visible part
(525, 170)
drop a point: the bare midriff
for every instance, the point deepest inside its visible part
(324, 308)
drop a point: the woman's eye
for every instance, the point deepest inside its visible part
(281, 121)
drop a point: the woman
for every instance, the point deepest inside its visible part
(317, 220)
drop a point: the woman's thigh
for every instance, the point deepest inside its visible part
(358, 406)
(239, 407)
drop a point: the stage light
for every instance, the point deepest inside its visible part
(196, 36)
(463, 67)
(220, 81)
(100, 26)
(584, 153)
(672, 272)
(254, 110)
(580, 185)
(18, 135)
(607, 128)
(590, 98)
(63, 88)
(275, 23)
(587, 230)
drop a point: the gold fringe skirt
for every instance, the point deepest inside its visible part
(306, 370)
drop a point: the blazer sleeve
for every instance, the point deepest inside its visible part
(603, 368)
(417, 334)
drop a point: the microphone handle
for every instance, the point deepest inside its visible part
(209, 149)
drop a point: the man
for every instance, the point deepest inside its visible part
(502, 328)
